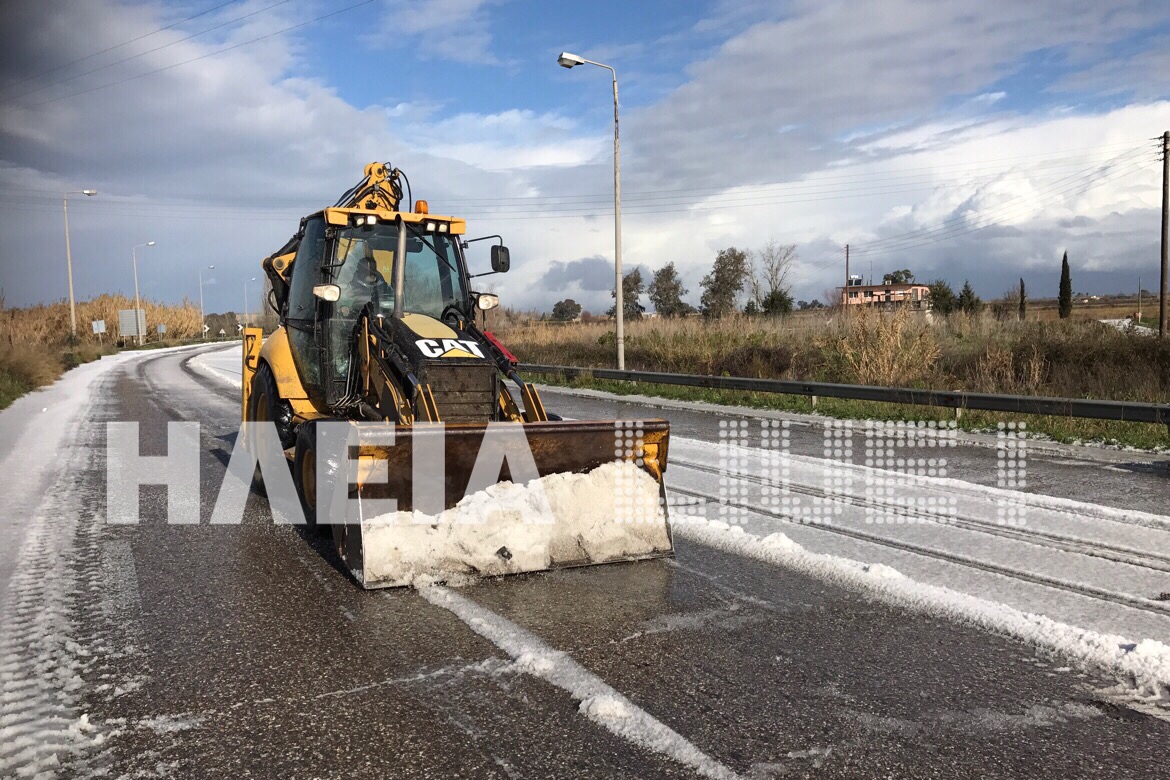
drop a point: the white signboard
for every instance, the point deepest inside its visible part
(99, 326)
(162, 329)
(129, 325)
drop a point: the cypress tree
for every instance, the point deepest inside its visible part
(1065, 289)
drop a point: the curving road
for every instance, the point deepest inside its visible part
(159, 650)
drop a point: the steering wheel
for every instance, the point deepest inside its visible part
(452, 314)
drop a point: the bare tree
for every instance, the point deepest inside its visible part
(832, 296)
(770, 266)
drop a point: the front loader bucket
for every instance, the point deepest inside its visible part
(485, 500)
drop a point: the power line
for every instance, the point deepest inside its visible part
(49, 199)
(209, 54)
(880, 183)
(807, 272)
(1059, 186)
(243, 213)
(1092, 184)
(143, 54)
(1071, 177)
(1060, 155)
(119, 45)
(187, 210)
(941, 233)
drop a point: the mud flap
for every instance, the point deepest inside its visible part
(486, 500)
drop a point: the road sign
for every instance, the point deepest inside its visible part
(99, 326)
(206, 327)
(129, 325)
(161, 329)
(221, 332)
(239, 329)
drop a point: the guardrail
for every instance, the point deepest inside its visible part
(1128, 411)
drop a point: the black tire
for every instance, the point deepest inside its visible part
(265, 404)
(305, 472)
(305, 465)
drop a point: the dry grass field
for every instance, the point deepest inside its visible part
(1075, 358)
(35, 346)
(1071, 358)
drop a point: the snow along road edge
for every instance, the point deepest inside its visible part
(1146, 663)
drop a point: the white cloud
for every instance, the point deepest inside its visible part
(218, 160)
(457, 30)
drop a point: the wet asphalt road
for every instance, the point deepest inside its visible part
(244, 651)
(1111, 477)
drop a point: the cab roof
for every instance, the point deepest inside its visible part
(344, 216)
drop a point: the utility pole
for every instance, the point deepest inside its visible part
(845, 289)
(1165, 229)
(69, 260)
(69, 267)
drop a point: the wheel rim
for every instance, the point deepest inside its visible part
(261, 414)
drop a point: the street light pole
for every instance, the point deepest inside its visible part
(567, 60)
(138, 318)
(69, 259)
(246, 313)
(202, 315)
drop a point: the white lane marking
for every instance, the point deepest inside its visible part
(599, 702)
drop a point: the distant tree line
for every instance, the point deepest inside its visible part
(756, 283)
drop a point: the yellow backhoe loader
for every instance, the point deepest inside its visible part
(378, 341)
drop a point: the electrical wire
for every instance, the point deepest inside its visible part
(1060, 187)
(35, 76)
(862, 251)
(777, 193)
(144, 53)
(205, 56)
(965, 168)
(1107, 179)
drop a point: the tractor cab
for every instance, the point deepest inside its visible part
(348, 261)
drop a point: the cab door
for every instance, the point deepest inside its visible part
(301, 318)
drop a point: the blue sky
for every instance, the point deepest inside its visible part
(985, 132)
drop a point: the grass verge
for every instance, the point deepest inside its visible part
(24, 368)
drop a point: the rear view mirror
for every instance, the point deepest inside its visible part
(327, 292)
(501, 262)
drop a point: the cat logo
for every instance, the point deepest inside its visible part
(449, 348)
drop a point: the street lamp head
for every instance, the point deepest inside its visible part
(210, 267)
(567, 60)
(150, 243)
(89, 192)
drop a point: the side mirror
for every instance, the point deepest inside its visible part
(487, 301)
(501, 262)
(327, 292)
